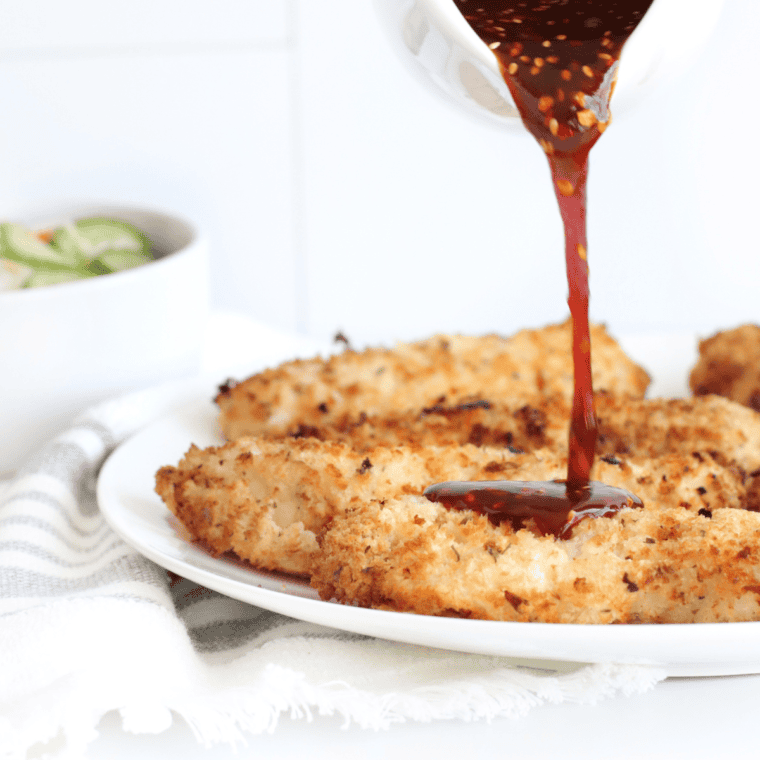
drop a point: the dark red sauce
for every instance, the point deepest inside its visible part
(559, 59)
(554, 507)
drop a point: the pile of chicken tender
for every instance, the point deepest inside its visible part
(326, 461)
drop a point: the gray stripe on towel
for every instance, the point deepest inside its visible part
(33, 550)
(229, 634)
(50, 501)
(133, 568)
(52, 530)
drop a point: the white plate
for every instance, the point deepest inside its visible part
(129, 504)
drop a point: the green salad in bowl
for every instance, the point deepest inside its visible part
(73, 251)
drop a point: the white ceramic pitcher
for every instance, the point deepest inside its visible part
(439, 47)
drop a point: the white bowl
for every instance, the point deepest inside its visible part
(65, 347)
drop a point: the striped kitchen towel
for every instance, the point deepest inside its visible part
(88, 626)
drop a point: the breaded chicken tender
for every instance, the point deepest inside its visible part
(267, 501)
(667, 565)
(445, 369)
(729, 365)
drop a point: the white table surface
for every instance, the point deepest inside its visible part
(690, 718)
(680, 718)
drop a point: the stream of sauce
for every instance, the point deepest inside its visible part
(559, 59)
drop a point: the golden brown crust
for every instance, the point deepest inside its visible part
(707, 426)
(642, 566)
(269, 500)
(729, 365)
(445, 369)
(330, 484)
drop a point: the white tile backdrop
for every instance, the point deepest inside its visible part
(340, 195)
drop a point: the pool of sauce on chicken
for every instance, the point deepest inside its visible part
(560, 60)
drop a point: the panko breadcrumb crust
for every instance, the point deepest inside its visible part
(444, 369)
(641, 566)
(729, 365)
(330, 486)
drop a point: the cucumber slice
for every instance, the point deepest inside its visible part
(42, 278)
(67, 241)
(22, 246)
(115, 261)
(88, 239)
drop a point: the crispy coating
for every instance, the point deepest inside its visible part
(668, 565)
(642, 428)
(268, 500)
(707, 427)
(729, 365)
(445, 369)
(326, 482)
